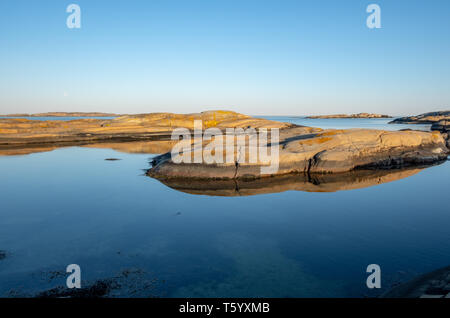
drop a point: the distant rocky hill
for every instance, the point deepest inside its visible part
(426, 118)
(63, 114)
(360, 115)
(16, 131)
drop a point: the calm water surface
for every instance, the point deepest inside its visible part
(71, 206)
(343, 123)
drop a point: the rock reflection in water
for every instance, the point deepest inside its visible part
(315, 183)
(148, 146)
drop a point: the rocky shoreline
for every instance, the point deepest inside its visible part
(359, 115)
(63, 114)
(442, 125)
(301, 149)
(426, 118)
(155, 126)
(440, 121)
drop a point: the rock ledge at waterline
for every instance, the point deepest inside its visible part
(313, 150)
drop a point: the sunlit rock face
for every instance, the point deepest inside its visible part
(440, 121)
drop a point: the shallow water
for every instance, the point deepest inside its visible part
(344, 123)
(69, 206)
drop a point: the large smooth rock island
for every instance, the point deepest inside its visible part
(311, 151)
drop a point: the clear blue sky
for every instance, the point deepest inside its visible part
(253, 56)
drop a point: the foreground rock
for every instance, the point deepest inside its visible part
(18, 131)
(299, 182)
(310, 151)
(426, 118)
(100, 288)
(132, 282)
(435, 284)
(360, 115)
